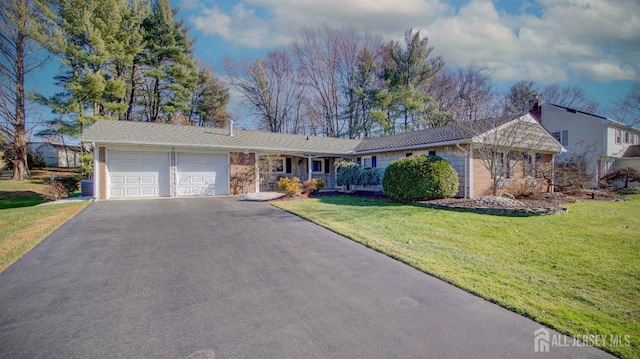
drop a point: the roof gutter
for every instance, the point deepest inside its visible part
(220, 147)
(412, 147)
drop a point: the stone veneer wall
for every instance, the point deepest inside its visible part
(242, 173)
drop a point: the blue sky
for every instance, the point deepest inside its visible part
(593, 44)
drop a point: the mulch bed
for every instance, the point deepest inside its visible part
(535, 201)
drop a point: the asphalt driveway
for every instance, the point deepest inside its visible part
(224, 278)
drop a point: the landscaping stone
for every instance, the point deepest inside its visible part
(496, 211)
(262, 196)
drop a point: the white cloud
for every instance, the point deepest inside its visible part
(604, 71)
(213, 22)
(549, 42)
(570, 40)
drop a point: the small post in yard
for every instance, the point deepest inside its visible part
(52, 176)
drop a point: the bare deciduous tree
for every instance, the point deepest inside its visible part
(328, 59)
(572, 97)
(574, 170)
(627, 110)
(272, 88)
(20, 55)
(462, 95)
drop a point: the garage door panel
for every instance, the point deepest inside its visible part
(202, 174)
(117, 192)
(139, 174)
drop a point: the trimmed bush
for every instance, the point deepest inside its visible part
(420, 178)
(289, 186)
(625, 174)
(311, 186)
(351, 173)
(54, 191)
(69, 183)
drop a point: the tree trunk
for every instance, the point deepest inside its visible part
(132, 94)
(19, 144)
(156, 98)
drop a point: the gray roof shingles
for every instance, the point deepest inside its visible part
(632, 151)
(413, 139)
(144, 133)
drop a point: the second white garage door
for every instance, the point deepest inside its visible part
(202, 174)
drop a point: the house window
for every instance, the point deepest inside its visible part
(369, 162)
(317, 166)
(498, 164)
(432, 153)
(501, 167)
(627, 137)
(531, 164)
(278, 165)
(281, 165)
(562, 137)
(618, 136)
(408, 154)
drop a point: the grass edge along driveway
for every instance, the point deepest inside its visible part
(578, 273)
(23, 228)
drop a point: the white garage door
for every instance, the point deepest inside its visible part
(202, 174)
(138, 174)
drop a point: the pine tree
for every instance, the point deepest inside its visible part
(407, 69)
(169, 69)
(209, 100)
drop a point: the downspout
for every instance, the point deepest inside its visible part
(466, 170)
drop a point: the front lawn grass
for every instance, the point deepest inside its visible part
(23, 224)
(578, 273)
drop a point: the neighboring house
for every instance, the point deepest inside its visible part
(604, 143)
(58, 155)
(630, 158)
(136, 159)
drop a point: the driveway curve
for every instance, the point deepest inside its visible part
(225, 278)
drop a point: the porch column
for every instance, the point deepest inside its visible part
(310, 166)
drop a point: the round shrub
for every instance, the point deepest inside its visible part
(420, 178)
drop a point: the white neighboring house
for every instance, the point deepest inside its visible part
(57, 154)
(605, 143)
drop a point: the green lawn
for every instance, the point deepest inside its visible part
(23, 224)
(577, 272)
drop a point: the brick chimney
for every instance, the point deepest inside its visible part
(535, 108)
